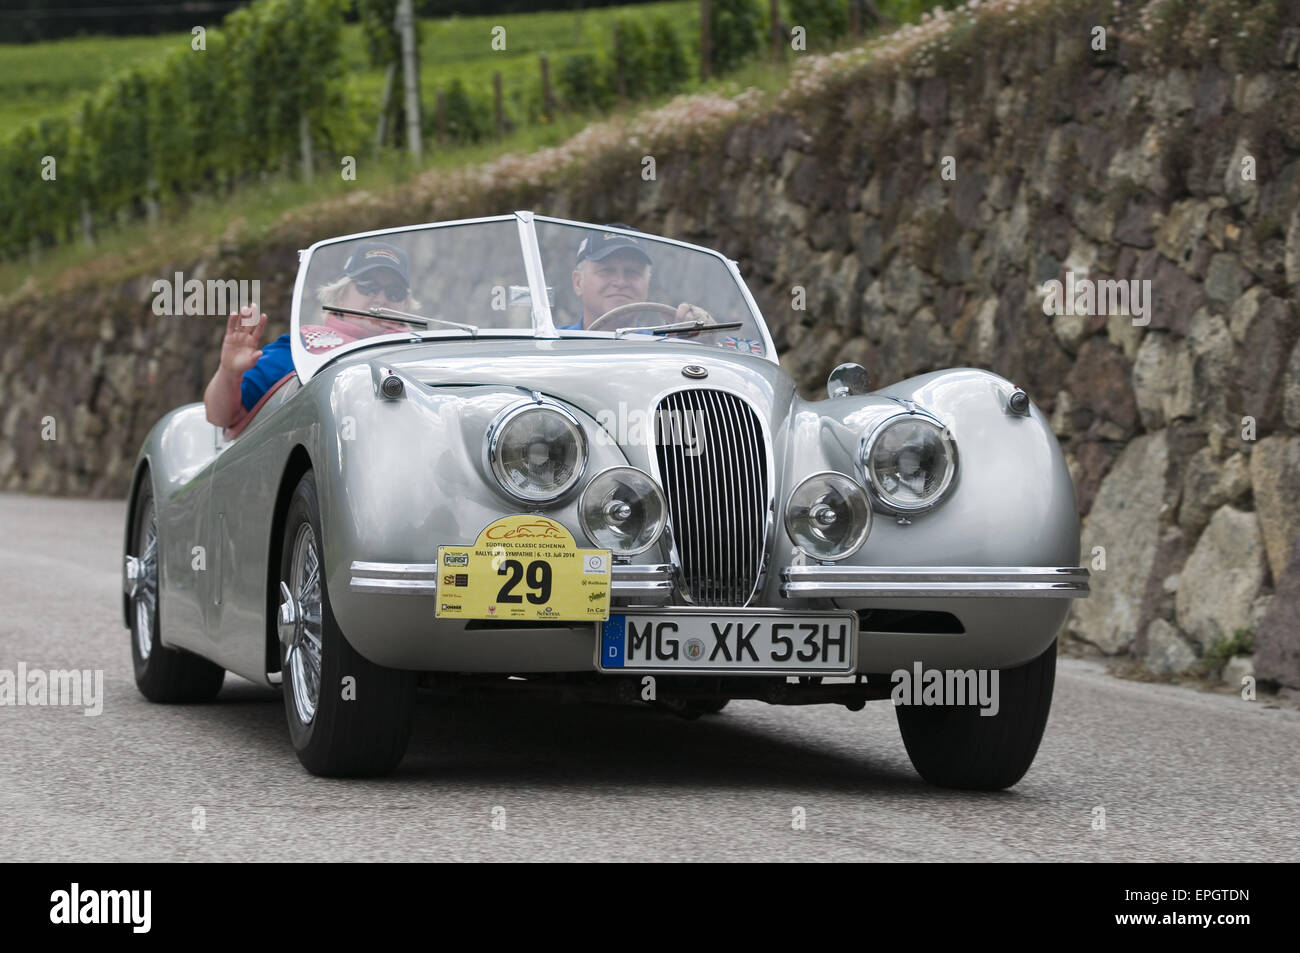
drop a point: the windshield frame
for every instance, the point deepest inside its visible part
(306, 365)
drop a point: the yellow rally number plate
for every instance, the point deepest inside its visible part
(523, 567)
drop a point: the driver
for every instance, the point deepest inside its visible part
(376, 274)
(613, 270)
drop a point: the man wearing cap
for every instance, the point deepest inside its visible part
(376, 274)
(613, 270)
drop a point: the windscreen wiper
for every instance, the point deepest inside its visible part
(685, 327)
(405, 317)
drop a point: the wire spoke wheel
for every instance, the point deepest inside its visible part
(304, 653)
(145, 596)
(360, 732)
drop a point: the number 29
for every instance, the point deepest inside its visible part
(538, 575)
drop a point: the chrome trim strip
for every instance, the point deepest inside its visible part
(408, 587)
(651, 583)
(397, 570)
(831, 582)
(652, 572)
(412, 579)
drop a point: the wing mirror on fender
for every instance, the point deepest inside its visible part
(848, 380)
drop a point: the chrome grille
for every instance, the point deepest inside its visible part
(712, 458)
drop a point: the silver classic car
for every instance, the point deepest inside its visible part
(564, 456)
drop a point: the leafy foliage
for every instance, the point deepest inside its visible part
(735, 32)
(669, 67)
(629, 64)
(468, 119)
(583, 83)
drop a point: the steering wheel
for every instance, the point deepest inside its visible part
(631, 308)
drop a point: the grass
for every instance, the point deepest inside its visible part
(51, 78)
(1241, 642)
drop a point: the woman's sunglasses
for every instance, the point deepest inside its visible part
(372, 288)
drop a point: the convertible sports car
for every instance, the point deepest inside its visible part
(568, 461)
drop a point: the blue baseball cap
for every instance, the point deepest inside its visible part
(372, 256)
(599, 245)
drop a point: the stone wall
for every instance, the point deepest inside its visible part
(1183, 434)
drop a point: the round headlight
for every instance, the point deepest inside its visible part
(537, 451)
(828, 516)
(622, 510)
(910, 463)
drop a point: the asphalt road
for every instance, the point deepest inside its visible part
(1181, 775)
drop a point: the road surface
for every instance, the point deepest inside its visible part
(1180, 775)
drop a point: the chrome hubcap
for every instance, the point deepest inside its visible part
(299, 624)
(141, 582)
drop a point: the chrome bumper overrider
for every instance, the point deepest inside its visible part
(641, 585)
(953, 582)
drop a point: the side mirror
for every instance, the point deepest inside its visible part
(848, 380)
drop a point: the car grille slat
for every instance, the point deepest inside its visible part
(717, 493)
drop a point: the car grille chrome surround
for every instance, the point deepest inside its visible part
(712, 454)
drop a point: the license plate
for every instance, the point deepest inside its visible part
(753, 641)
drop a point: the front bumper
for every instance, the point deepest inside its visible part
(1007, 615)
(653, 585)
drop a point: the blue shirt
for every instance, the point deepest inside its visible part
(275, 362)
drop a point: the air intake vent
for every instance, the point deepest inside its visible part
(712, 460)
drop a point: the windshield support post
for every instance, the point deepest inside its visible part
(543, 324)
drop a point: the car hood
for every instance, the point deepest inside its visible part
(599, 375)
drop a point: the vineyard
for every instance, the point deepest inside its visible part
(285, 88)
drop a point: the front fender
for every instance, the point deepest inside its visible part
(398, 478)
(1012, 505)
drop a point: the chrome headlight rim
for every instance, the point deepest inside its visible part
(659, 493)
(492, 447)
(789, 530)
(879, 495)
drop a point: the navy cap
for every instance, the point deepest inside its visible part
(599, 245)
(372, 256)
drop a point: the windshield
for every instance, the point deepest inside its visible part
(599, 276)
(515, 275)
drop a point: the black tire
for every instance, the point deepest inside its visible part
(163, 675)
(360, 736)
(957, 747)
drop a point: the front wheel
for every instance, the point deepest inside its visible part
(347, 716)
(955, 746)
